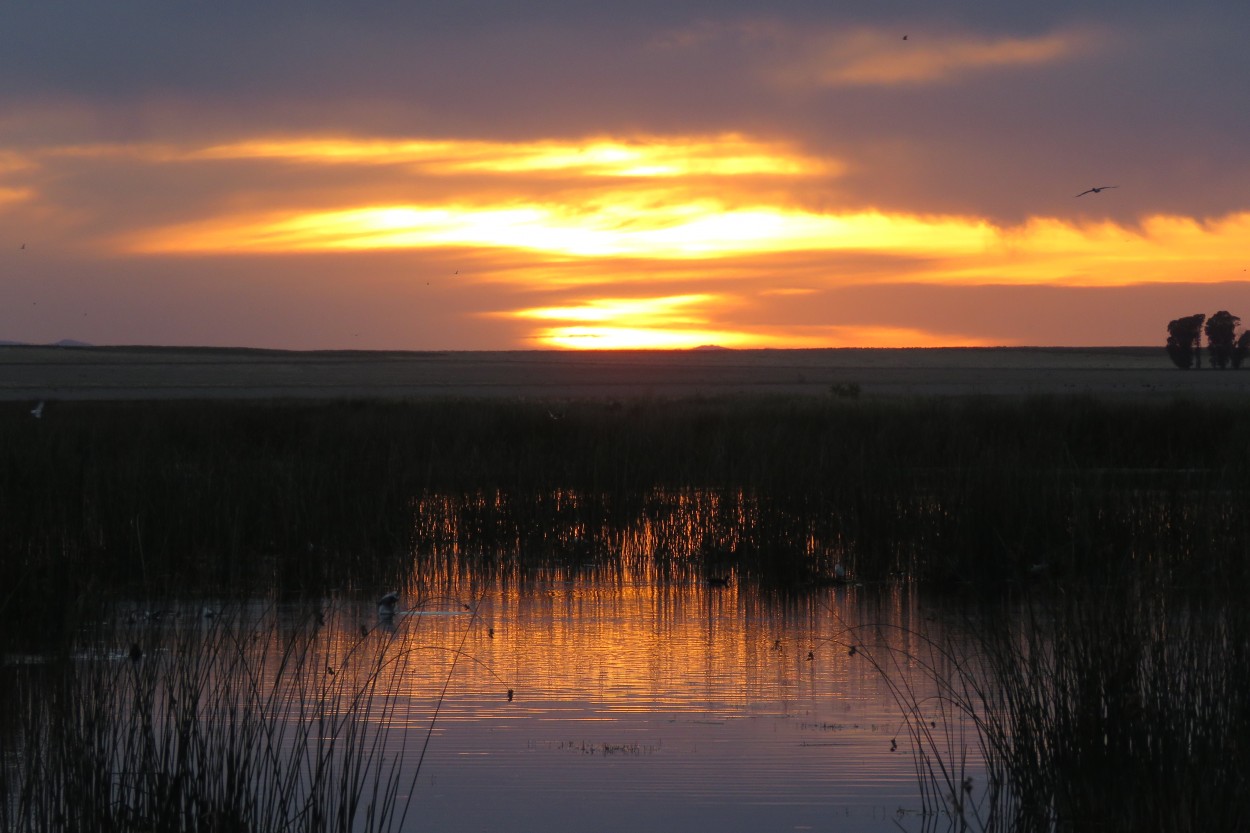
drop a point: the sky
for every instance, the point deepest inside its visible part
(484, 175)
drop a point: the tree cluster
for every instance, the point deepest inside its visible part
(1224, 346)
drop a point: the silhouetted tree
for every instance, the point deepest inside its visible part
(1241, 348)
(1185, 341)
(1221, 332)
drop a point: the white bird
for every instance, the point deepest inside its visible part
(1098, 189)
(37, 411)
(387, 604)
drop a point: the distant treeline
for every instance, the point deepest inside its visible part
(1224, 346)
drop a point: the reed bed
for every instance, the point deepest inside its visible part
(1115, 710)
(153, 497)
(240, 722)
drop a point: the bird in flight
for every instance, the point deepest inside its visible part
(1096, 190)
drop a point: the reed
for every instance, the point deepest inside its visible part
(152, 497)
(234, 723)
(1108, 710)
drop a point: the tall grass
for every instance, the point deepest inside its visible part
(153, 497)
(1116, 710)
(235, 723)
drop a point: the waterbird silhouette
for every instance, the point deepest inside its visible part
(37, 411)
(1097, 189)
(387, 604)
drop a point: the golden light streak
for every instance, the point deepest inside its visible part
(660, 338)
(636, 338)
(725, 155)
(1160, 249)
(682, 322)
(668, 323)
(628, 227)
(664, 310)
(900, 337)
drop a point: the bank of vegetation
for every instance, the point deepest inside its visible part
(162, 496)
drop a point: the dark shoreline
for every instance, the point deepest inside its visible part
(147, 373)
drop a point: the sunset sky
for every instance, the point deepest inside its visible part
(489, 175)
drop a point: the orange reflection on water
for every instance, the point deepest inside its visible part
(572, 691)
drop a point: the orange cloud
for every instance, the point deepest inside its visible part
(11, 196)
(674, 322)
(687, 321)
(725, 155)
(626, 224)
(652, 201)
(805, 58)
(1160, 249)
(867, 58)
(666, 219)
(667, 225)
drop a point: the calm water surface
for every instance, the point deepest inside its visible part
(645, 706)
(596, 702)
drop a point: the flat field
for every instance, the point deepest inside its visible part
(146, 373)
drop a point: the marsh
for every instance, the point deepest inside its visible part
(558, 647)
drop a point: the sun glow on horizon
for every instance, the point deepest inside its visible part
(673, 322)
(684, 322)
(723, 239)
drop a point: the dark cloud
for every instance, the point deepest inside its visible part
(1152, 99)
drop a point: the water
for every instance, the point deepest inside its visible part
(594, 702)
(665, 708)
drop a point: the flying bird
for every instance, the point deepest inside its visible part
(1096, 190)
(37, 411)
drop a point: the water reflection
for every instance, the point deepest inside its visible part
(678, 533)
(607, 702)
(667, 707)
